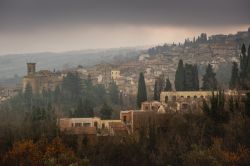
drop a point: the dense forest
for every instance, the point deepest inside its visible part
(218, 136)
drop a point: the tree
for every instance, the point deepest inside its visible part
(209, 80)
(84, 109)
(106, 111)
(216, 111)
(191, 81)
(243, 60)
(71, 85)
(247, 105)
(142, 91)
(179, 77)
(245, 67)
(28, 95)
(114, 92)
(248, 63)
(196, 85)
(159, 87)
(155, 90)
(168, 86)
(234, 81)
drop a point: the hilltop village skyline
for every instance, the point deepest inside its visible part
(124, 83)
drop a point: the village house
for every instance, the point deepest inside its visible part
(91, 126)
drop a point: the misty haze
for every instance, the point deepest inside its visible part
(135, 82)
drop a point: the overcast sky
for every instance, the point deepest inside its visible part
(60, 25)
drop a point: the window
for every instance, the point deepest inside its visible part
(95, 124)
(103, 126)
(124, 119)
(78, 124)
(166, 99)
(86, 124)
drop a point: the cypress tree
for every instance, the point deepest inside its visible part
(248, 64)
(243, 60)
(247, 105)
(196, 78)
(114, 92)
(106, 111)
(84, 109)
(28, 95)
(209, 80)
(179, 77)
(189, 77)
(234, 81)
(142, 91)
(155, 90)
(168, 86)
(159, 87)
(245, 67)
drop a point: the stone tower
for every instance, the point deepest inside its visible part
(31, 69)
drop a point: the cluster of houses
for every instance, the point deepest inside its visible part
(131, 121)
(7, 93)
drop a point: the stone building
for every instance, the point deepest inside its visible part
(41, 80)
(92, 126)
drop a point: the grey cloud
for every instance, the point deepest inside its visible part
(27, 14)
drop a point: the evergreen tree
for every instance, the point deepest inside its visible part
(234, 81)
(28, 94)
(209, 80)
(196, 85)
(155, 90)
(142, 91)
(84, 109)
(168, 86)
(106, 111)
(88, 107)
(159, 87)
(248, 64)
(247, 105)
(79, 112)
(245, 67)
(179, 77)
(71, 86)
(114, 92)
(243, 61)
(189, 77)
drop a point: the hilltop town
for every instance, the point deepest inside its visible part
(141, 101)
(218, 50)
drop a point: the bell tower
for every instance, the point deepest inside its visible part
(31, 69)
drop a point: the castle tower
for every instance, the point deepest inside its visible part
(31, 69)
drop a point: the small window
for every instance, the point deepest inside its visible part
(166, 99)
(124, 119)
(86, 124)
(103, 126)
(195, 97)
(78, 124)
(95, 124)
